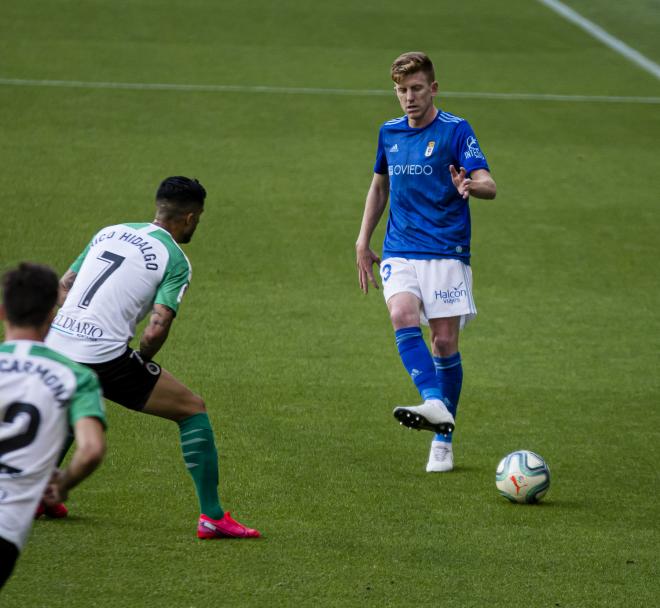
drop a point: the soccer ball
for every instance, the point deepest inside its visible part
(523, 477)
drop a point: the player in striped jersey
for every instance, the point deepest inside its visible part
(41, 394)
(428, 163)
(126, 272)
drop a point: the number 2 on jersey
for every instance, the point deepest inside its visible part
(23, 437)
(114, 261)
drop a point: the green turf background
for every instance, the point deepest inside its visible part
(299, 370)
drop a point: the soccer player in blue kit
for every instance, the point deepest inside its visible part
(428, 163)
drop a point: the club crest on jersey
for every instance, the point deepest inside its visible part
(429, 148)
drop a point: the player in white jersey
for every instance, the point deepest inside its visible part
(42, 393)
(126, 272)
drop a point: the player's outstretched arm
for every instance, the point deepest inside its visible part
(155, 333)
(480, 184)
(66, 283)
(373, 211)
(90, 449)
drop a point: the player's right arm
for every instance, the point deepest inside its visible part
(66, 283)
(69, 277)
(373, 210)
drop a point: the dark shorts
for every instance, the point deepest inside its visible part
(8, 557)
(127, 380)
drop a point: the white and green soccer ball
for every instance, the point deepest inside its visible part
(523, 477)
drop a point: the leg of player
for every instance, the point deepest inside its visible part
(431, 415)
(449, 370)
(8, 557)
(173, 400)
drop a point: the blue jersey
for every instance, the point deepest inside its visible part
(428, 219)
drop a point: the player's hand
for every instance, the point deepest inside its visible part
(55, 493)
(365, 260)
(461, 182)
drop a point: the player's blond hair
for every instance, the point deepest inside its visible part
(411, 63)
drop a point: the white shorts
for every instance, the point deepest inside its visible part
(443, 286)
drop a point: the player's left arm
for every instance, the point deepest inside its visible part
(479, 184)
(166, 306)
(156, 332)
(87, 417)
(90, 449)
(470, 172)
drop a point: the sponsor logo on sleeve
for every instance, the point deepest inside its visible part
(473, 149)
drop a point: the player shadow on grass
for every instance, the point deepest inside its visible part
(549, 503)
(458, 469)
(68, 520)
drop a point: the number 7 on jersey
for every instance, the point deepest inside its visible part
(114, 261)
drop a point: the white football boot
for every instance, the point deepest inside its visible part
(432, 415)
(441, 457)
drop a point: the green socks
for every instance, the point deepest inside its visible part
(201, 458)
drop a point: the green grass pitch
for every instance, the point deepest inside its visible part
(299, 370)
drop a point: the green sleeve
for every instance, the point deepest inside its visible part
(174, 284)
(88, 400)
(79, 260)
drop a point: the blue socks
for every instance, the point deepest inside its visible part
(418, 362)
(449, 371)
(434, 377)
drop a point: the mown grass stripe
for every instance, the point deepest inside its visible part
(230, 88)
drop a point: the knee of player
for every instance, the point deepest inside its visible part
(444, 345)
(403, 318)
(196, 404)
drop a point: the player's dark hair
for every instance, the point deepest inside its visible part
(29, 293)
(411, 63)
(179, 195)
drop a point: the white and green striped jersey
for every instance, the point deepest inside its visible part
(121, 274)
(41, 394)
